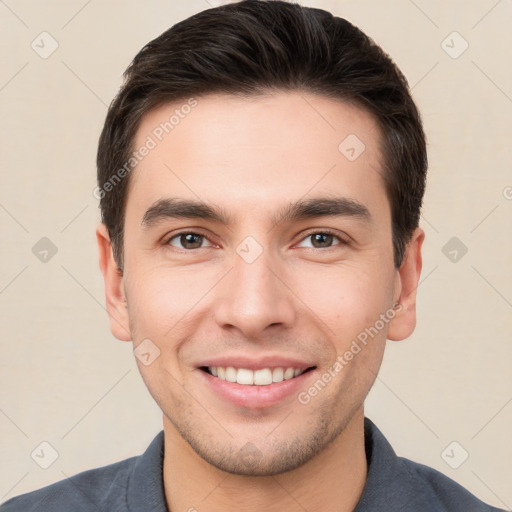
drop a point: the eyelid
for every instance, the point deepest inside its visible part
(344, 238)
(193, 231)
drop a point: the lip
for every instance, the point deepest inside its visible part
(253, 396)
(257, 363)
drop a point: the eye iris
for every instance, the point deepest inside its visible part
(193, 240)
(188, 239)
(323, 238)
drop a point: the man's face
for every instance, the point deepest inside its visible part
(254, 293)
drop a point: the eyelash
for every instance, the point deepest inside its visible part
(321, 232)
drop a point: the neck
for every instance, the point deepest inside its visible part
(331, 481)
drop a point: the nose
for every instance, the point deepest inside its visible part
(254, 297)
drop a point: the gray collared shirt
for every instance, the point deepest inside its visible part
(393, 484)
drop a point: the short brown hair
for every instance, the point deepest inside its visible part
(253, 46)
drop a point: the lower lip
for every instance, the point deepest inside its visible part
(253, 396)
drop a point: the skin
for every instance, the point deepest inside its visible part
(253, 156)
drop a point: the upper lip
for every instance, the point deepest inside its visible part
(256, 363)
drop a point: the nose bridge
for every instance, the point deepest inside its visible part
(252, 296)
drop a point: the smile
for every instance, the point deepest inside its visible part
(259, 377)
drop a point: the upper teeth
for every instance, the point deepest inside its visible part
(258, 377)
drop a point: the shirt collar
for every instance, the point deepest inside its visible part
(388, 483)
(145, 492)
(386, 478)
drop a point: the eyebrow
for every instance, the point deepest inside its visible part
(303, 209)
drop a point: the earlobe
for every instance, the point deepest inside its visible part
(407, 279)
(114, 287)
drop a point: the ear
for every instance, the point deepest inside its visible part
(407, 279)
(114, 287)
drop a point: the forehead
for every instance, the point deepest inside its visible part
(247, 153)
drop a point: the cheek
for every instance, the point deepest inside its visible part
(168, 306)
(347, 298)
(161, 299)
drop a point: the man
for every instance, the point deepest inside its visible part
(260, 177)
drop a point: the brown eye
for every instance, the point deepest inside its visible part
(187, 240)
(322, 240)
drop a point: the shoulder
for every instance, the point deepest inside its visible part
(129, 484)
(89, 490)
(396, 483)
(439, 489)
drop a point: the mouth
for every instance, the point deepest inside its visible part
(257, 377)
(256, 388)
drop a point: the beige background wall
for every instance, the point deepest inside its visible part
(65, 379)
